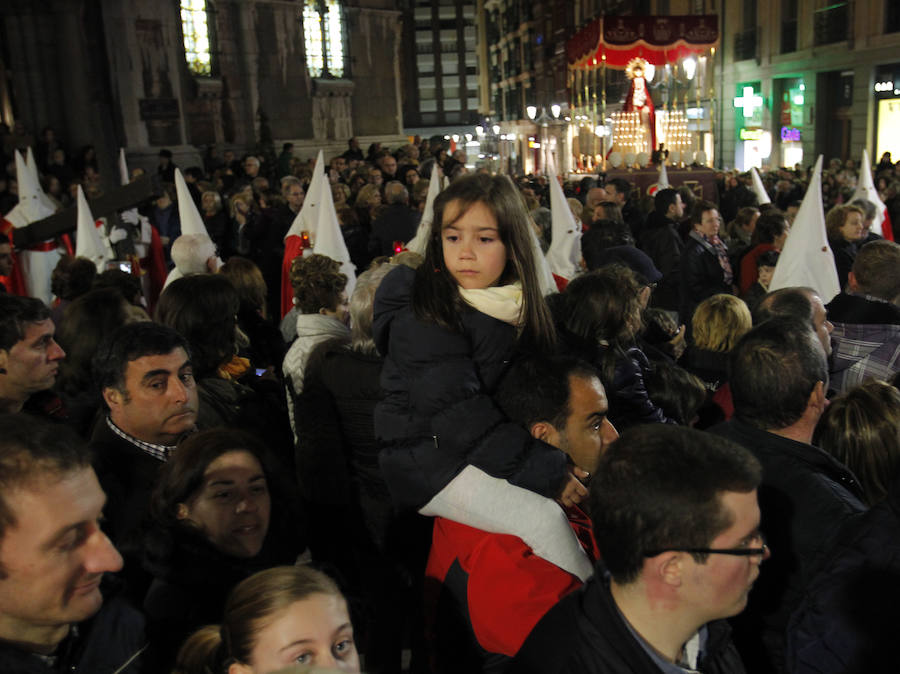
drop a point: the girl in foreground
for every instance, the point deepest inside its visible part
(276, 618)
(449, 330)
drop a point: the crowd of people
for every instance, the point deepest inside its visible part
(662, 467)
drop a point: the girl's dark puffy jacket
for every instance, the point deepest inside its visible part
(437, 415)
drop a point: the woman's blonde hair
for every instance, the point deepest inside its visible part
(246, 197)
(719, 322)
(365, 196)
(361, 303)
(249, 608)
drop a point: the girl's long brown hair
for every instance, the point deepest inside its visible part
(435, 294)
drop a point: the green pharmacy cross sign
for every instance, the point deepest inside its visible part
(748, 102)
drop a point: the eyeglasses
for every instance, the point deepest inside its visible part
(736, 552)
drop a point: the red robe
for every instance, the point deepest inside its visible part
(648, 104)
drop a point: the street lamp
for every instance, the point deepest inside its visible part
(531, 111)
(690, 67)
(556, 108)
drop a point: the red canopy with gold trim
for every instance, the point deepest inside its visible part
(658, 39)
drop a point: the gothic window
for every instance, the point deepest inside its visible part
(323, 31)
(195, 28)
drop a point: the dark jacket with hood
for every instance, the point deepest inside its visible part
(437, 415)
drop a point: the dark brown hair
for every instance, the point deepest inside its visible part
(861, 429)
(317, 282)
(435, 293)
(202, 308)
(659, 487)
(604, 306)
(248, 281)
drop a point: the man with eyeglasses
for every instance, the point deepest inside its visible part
(779, 375)
(677, 523)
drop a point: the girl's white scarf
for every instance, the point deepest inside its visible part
(501, 302)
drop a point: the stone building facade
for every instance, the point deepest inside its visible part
(114, 74)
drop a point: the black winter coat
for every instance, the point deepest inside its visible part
(660, 240)
(192, 580)
(127, 475)
(111, 642)
(844, 256)
(847, 621)
(805, 497)
(585, 634)
(437, 415)
(333, 415)
(701, 276)
(629, 402)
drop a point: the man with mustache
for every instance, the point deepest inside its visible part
(145, 377)
(53, 556)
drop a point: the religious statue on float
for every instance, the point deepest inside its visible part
(639, 100)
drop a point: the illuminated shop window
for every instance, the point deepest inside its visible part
(323, 29)
(195, 27)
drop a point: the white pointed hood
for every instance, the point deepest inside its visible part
(88, 241)
(544, 275)
(564, 256)
(807, 259)
(328, 237)
(307, 219)
(663, 181)
(761, 195)
(124, 178)
(31, 207)
(31, 164)
(865, 189)
(419, 242)
(191, 222)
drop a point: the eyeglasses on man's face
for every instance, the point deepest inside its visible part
(749, 550)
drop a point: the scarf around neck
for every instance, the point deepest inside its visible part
(501, 302)
(715, 246)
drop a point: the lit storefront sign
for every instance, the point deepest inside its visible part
(749, 102)
(888, 134)
(754, 141)
(790, 134)
(887, 101)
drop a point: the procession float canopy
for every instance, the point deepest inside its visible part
(615, 40)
